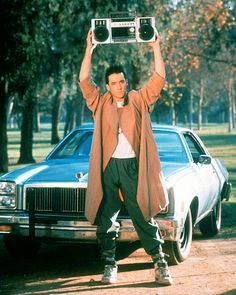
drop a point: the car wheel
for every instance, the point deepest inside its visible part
(21, 247)
(179, 250)
(211, 224)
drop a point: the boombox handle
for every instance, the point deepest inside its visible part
(122, 15)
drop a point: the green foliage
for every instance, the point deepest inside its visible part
(44, 42)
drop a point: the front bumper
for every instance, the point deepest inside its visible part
(81, 230)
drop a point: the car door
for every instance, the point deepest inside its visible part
(206, 174)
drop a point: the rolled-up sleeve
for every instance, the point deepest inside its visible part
(151, 90)
(91, 93)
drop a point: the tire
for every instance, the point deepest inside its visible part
(211, 224)
(21, 247)
(179, 250)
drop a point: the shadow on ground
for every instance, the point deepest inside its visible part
(66, 261)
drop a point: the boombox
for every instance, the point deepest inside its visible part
(123, 28)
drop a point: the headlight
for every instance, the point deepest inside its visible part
(7, 194)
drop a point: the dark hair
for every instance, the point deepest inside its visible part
(116, 69)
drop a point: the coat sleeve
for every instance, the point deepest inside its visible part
(91, 94)
(151, 90)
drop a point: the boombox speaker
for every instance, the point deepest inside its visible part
(123, 29)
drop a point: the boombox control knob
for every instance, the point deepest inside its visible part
(101, 33)
(146, 32)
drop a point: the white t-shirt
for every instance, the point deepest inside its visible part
(123, 149)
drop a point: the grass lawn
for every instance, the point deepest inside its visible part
(219, 142)
(41, 145)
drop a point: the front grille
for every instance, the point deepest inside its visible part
(59, 200)
(56, 200)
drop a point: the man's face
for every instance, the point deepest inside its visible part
(117, 85)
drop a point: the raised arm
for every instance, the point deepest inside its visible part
(86, 63)
(89, 90)
(151, 90)
(159, 63)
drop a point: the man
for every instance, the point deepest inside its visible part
(124, 165)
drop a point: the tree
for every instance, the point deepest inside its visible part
(8, 44)
(3, 125)
(200, 34)
(44, 41)
(28, 61)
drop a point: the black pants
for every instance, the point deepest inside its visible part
(123, 174)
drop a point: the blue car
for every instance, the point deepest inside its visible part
(45, 201)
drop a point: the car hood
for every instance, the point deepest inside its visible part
(63, 170)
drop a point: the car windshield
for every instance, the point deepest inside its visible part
(78, 144)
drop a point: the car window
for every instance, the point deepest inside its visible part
(194, 147)
(170, 147)
(76, 145)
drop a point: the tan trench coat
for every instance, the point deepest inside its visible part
(136, 126)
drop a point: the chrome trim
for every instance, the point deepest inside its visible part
(68, 201)
(66, 185)
(83, 230)
(56, 200)
(47, 202)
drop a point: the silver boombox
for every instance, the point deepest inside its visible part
(123, 27)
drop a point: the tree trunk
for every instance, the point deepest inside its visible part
(26, 147)
(56, 106)
(69, 115)
(230, 102)
(233, 103)
(200, 101)
(191, 109)
(3, 127)
(173, 115)
(135, 78)
(36, 118)
(80, 105)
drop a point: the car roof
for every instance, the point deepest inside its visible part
(169, 127)
(90, 126)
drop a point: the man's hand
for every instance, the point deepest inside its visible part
(90, 45)
(157, 40)
(89, 38)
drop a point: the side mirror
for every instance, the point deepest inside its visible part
(204, 159)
